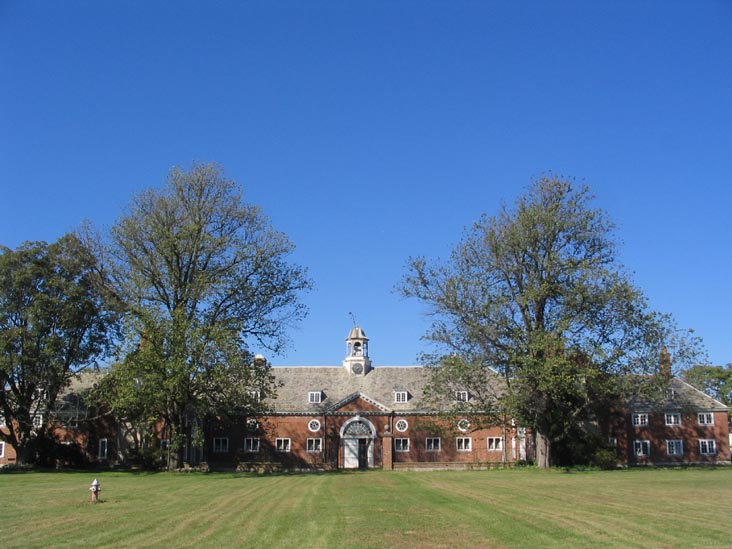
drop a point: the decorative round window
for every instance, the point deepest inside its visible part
(463, 425)
(314, 425)
(401, 425)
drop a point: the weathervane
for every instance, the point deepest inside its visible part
(353, 318)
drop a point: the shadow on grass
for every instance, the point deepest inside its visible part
(674, 467)
(73, 471)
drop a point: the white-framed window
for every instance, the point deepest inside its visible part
(642, 447)
(707, 447)
(38, 421)
(433, 444)
(103, 448)
(252, 424)
(464, 444)
(251, 444)
(461, 396)
(220, 445)
(670, 394)
(675, 447)
(313, 425)
(400, 396)
(705, 418)
(401, 425)
(314, 397)
(463, 425)
(401, 444)
(283, 444)
(640, 420)
(2, 449)
(612, 441)
(255, 395)
(495, 443)
(314, 445)
(673, 419)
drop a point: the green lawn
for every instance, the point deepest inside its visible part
(502, 508)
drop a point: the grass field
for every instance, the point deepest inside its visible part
(503, 508)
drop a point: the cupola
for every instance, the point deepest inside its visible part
(357, 360)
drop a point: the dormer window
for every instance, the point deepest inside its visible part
(314, 397)
(670, 394)
(401, 396)
(461, 396)
(255, 395)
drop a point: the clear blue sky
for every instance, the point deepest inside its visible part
(371, 131)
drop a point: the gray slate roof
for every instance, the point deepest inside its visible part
(378, 386)
(685, 397)
(338, 386)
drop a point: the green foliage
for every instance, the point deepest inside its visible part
(53, 324)
(537, 295)
(605, 458)
(453, 374)
(201, 276)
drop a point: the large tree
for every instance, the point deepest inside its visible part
(202, 277)
(53, 324)
(537, 295)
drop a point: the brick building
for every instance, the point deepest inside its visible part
(685, 427)
(358, 415)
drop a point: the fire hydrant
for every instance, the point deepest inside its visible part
(95, 489)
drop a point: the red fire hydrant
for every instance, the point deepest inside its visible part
(95, 489)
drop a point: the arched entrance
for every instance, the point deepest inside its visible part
(357, 440)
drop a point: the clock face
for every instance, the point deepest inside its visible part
(357, 368)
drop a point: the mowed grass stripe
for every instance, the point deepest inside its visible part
(230, 511)
(590, 507)
(499, 513)
(676, 508)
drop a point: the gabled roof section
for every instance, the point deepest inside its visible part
(697, 397)
(354, 397)
(685, 397)
(378, 387)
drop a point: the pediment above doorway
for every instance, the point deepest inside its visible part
(358, 402)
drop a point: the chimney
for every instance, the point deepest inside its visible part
(664, 364)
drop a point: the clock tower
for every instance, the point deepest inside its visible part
(357, 361)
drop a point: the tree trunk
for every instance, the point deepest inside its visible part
(21, 455)
(176, 441)
(22, 444)
(543, 450)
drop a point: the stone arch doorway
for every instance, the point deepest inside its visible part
(357, 440)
